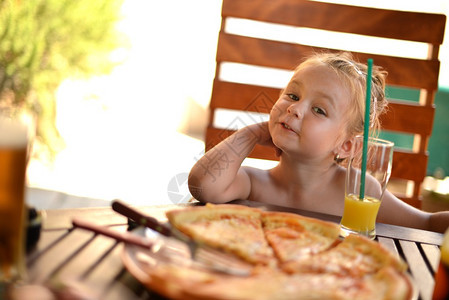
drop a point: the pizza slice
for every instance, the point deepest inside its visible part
(356, 256)
(232, 228)
(295, 238)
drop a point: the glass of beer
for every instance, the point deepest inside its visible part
(360, 209)
(15, 135)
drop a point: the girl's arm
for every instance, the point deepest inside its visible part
(439, 221)
(218, 177)
(397, 212)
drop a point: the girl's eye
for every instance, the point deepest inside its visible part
(319, 111)
(293, 97)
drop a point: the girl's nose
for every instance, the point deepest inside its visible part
(295, 110)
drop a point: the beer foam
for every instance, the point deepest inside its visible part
(13, 133)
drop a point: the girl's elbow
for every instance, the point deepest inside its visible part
(195, 187)
(201, 192)
(207, 195)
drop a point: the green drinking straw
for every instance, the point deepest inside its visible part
(366, 128)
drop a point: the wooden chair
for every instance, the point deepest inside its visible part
(415, 118)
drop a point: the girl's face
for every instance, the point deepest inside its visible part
(309, 119)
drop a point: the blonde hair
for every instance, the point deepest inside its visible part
(354, 76)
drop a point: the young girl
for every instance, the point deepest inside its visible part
(311, 127)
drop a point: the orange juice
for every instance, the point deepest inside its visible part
(441, 290)
(360, 216)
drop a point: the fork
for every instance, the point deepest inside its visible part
(210, 257)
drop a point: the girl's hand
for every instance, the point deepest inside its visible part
(264, 137)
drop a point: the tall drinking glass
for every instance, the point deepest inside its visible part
(15, 132)
(359, 215)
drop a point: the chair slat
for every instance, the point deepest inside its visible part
(243, 97)
(408, 118)
(415, 73)
(409, 165)
(342, 18)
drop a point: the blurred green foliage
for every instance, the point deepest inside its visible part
(43, 42)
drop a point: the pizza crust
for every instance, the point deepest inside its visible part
(178, 283)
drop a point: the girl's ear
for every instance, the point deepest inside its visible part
(344, 151)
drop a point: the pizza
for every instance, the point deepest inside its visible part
(296, 257)
(233, 228)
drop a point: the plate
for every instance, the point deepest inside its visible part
(165, 251)
(137, 260)
(144, 265)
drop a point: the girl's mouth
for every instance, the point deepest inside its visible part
(286, 126)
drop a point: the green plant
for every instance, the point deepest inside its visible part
(43, 42)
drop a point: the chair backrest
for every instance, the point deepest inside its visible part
(421, 74)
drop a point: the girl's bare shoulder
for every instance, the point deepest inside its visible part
(263, 185)
(257, 175)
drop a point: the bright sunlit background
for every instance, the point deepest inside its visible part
(135, 133)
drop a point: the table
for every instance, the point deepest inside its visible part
(92, 263)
